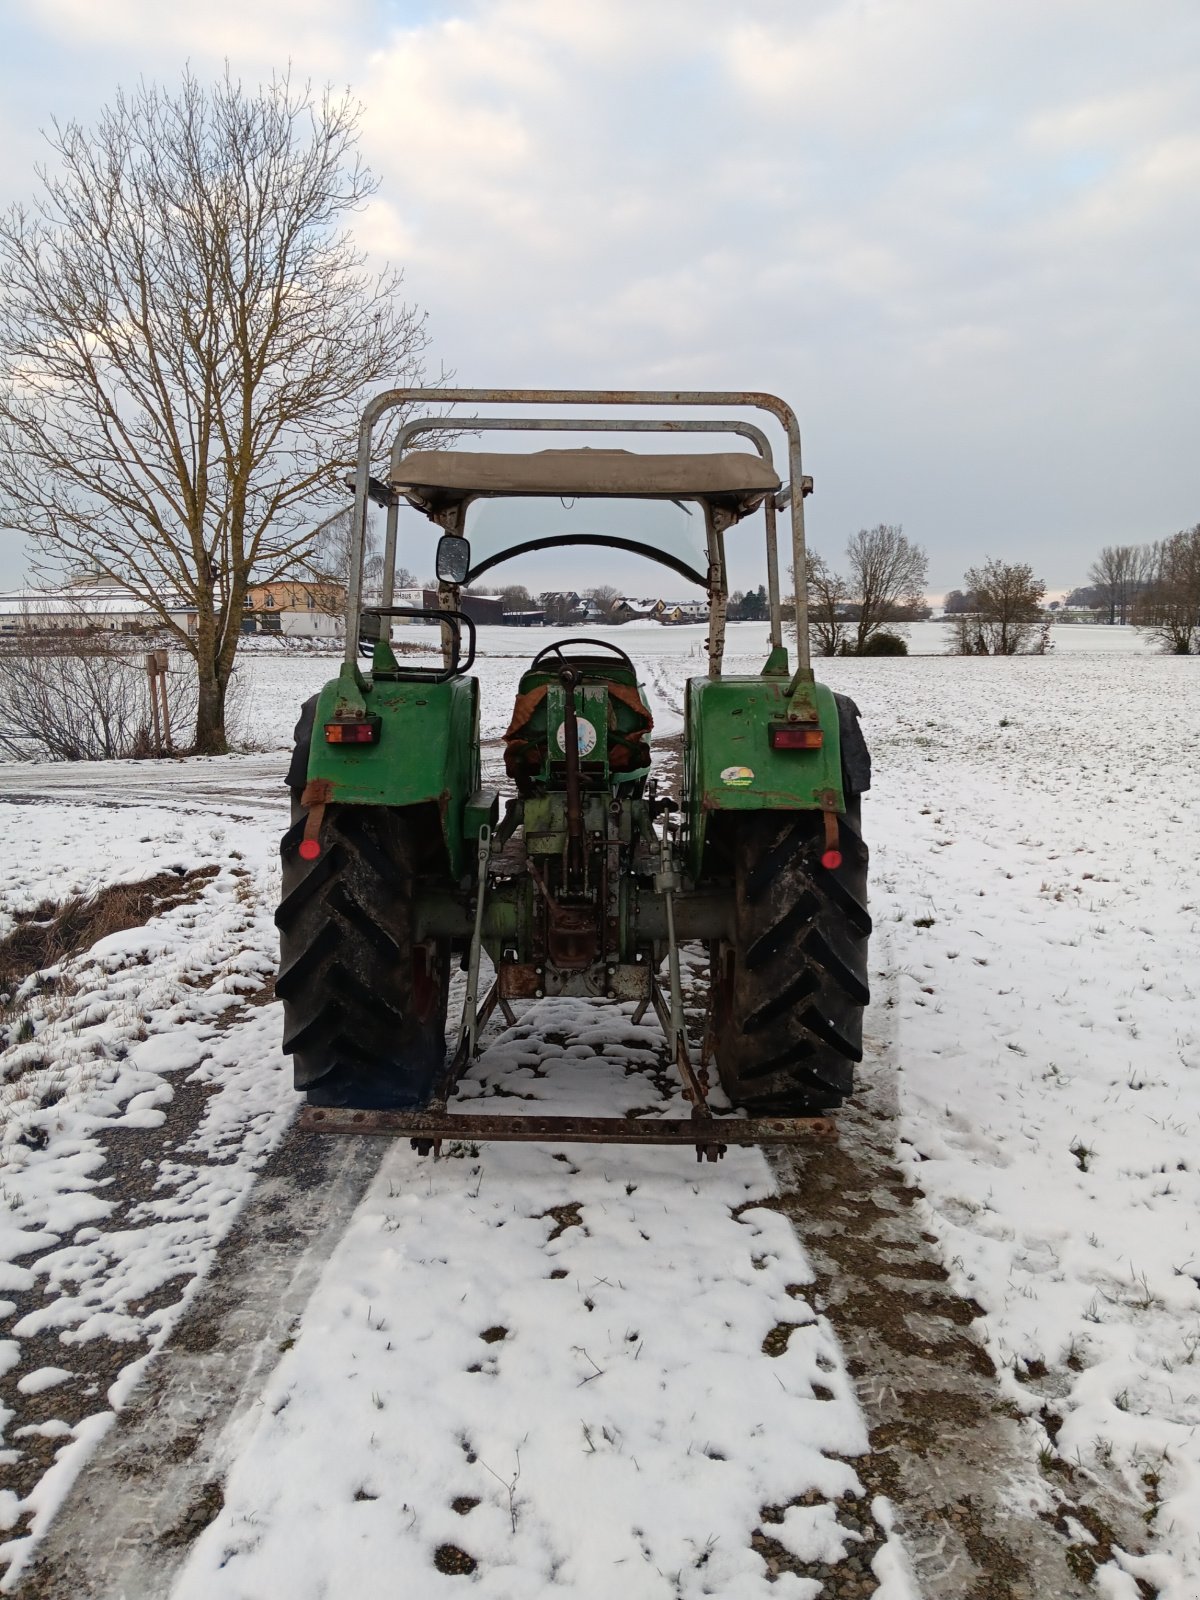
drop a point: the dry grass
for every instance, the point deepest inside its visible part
(51, 934)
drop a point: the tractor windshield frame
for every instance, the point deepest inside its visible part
(719, 510)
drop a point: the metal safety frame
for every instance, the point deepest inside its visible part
(793, 501)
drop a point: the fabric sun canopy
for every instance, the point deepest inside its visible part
(434, 479)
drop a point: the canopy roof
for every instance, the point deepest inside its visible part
(434, 479)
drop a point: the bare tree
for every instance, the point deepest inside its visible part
(604, 595)
(886, 579)
(1170, 606)
(1120, 573)
(828, 594)
(1007, 619)
(561, 609)
(186, 336)
(328, 559)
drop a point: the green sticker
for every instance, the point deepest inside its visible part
(737, 777)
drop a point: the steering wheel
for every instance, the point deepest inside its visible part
(556, 649)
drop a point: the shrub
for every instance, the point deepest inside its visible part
(879, 644)
(83, 697)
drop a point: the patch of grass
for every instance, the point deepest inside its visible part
(776, 1342)
(51, 934)
(565, 1216)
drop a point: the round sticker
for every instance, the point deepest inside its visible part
(737, 777)
(586, 734)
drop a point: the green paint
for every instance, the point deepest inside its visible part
(428, 753)
(482, 809)
(728, 761)
(428, 749)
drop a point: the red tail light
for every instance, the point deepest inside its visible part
(794, 736)
(363, 730)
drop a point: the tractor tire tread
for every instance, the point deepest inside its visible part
(347, 964)
(791, 984)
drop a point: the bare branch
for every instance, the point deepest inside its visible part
(828, 599)
(1005, 617)
(1169, 607)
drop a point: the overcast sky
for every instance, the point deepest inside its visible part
(963, 239)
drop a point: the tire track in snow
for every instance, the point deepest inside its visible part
(580, 1368)
(975, 1514)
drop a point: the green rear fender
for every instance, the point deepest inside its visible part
(428, 752)
(729, 762)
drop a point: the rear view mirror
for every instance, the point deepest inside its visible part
(453, 558)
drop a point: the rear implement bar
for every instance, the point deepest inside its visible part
(568, 1130)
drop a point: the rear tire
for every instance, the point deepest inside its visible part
(790, 989)
(364, 1008)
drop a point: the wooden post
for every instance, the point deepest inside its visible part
(162, 662)
(152, 674)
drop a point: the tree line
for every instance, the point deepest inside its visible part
(1155, 586)
(1000, 610)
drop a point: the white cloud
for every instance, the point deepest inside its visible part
(255, 32)
(959, 237)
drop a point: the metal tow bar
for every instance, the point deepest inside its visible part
(431, 1127)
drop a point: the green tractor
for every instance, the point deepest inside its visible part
(586, 878)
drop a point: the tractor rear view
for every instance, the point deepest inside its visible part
(583, 878)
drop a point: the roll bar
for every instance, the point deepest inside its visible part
(392, 399)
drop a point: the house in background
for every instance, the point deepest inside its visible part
(296, 608)
(682, 611)
(626, 609)
(562, 607)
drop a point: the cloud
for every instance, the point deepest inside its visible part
(960, 238)
(254, 32)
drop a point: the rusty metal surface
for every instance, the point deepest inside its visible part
(619, 980)
(567, 1130)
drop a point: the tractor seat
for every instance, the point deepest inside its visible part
(621, 750)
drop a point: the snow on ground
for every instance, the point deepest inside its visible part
(142, 1011)
(551, 1362)
(1036, 833)
(274, 682)
(1034, 826)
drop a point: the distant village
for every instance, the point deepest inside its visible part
(314, 609)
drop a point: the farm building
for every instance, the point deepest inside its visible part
(84, 607)
(313, 609)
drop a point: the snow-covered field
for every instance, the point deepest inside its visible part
(576, 1346)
